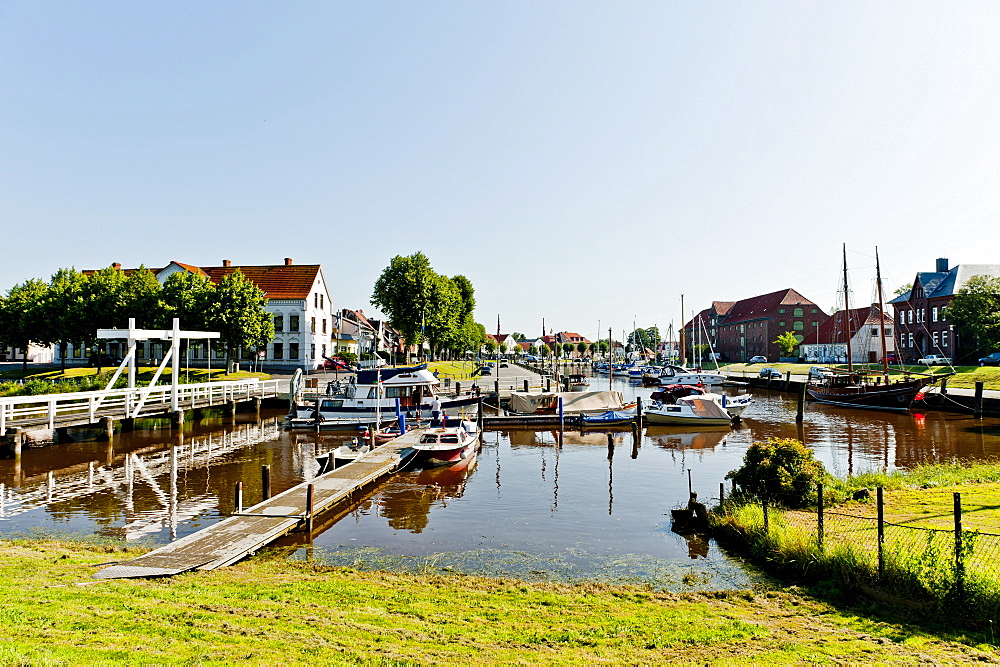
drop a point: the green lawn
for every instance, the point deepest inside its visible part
(269, 610)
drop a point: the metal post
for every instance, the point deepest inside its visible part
(690, 489)
(238, 500)
(526, 386)
(265, 482)
(959, 559)
(479, 418)
(309, 507)
(819, 516)
(175, 369)
(881, 531)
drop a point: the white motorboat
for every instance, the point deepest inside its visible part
(672, 374)
(451, 446)
(699, 409)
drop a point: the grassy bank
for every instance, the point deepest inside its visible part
(34, 382)
(919, 554)
(270, 610)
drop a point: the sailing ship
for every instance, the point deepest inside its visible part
(862, 388)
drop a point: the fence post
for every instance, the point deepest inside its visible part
(959, 560)
(763, 506)
(819, 517)
(881, 531)
(722, 493)
(265, 482)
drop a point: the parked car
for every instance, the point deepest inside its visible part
(819, 372)
(103, 360)
(486, 370)
(891, 358)
(991, 359)
(758, 360)
(769, 373)
(934, 360)
(503, 364)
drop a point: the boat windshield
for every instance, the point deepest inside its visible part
(452, 438)
(428, 438)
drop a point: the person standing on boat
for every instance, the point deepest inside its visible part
(435, 410)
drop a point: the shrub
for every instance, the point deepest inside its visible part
(780, 470)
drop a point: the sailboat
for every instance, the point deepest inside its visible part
(861, 388)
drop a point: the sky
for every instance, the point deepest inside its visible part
(582, 162)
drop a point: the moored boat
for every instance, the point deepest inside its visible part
(672, 374)
(452, 446)
(704, 409)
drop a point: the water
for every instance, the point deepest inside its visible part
(526, 508)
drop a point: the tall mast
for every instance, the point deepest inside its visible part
(683, 353)
(881, 318)
(847, 315)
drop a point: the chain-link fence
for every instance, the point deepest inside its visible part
(933, 564)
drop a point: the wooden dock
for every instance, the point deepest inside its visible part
(243, 534)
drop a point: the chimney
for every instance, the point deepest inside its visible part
(942, 265)
(227, 263)
(288, 261)
(117, 266)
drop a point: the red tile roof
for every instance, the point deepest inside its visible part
(760, 306)
(277, 282)
(197, 270)
(835, 328)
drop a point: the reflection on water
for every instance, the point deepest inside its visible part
(543, 505)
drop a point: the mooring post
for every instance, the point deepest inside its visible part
(548, 384)
(479, 413)
(788, 379)
(638, 410)
(880, 506)
(690, 489)
(959, 557)
(722, 493)
(238, 500)
(562, 415)
(799, 413)
(309, 507)
(819, 517)
(265, 482)
(611, 446)
(944, 386)
(496, 388)
(256, 405)
(526, 386)
(17, 441)
(108, 426)
(977, 410)
(177, 419)
(458, 389)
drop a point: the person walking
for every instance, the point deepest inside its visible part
(435, 411)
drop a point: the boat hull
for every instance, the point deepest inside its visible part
(685, 420)
(896, 396)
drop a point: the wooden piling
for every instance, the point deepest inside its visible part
(108, 426)
(238, 497)
(799, 412)
(458, 389)
(548, 384)
(788, 379)
(479, 414)
(977, 410)
(525, 386)
(177, 419)
(310, 491)
(265, 482)
(17, 441)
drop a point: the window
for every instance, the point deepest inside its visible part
(321, 302)
(797, 312)
(909, 318)
(902, 317)
(909, 340)
(324, 325)
(934, 314)
(324, 350)
(312, 351)
(78, 350)
(293, 350)
(781, 323)
(813, 311)
(279, 322)
(293, 322)
(220, 353)
(874, 331)
(943, 314)
(798, 326)
(937, 340)
(944, 339)
(902, 340)
(279, 351)
(312, 324)
(316, 300)
(781, 310)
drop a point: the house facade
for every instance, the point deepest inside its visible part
(747, 328)
(298, 300)
(921, 313)
(861, 325)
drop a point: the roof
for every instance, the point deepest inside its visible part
(722, 307)
(757, 307)
(835, 329)
(948, 283)
(277, 282)
(197, 270)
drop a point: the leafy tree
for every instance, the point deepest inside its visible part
(348, 357)
(102, 295)
(237, 313)
(63, 311)
(780, 470)
(444, 315)
(592, 348)
(189, 298)
(21, 316)
(403, 292)
(903, 289)
(533, 351)
(787, 343)
(140, 298)
(517, 335)
(581, 348)
(491, 346)
(602, 346)
(567, 349)
(975, 310)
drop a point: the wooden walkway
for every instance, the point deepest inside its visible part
(241, 535)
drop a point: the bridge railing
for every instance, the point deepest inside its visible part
(47, 410)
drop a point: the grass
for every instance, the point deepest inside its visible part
(272, 610)
(919, 537)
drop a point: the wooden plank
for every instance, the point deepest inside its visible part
(236, 537)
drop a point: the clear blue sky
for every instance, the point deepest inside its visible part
(577, 161)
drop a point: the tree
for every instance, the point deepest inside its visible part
(444, 314)
(517, 335)
(787, 343)
(903, 289)
(403, 293)
(189, 298)
(102, 295)
(603, 346)
(780, 470)
(592, 348)
(21, 316)
(63, 311)
(581, 348)
(348, 357)
(567, 349)
(975, 310)
(237, 313)
(140, 298)
(534, 351)
(491, 346)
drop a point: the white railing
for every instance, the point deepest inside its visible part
(47, 410)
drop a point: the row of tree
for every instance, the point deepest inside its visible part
(72, 306)
(425, 306)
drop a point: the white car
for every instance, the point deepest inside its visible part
(934, 360)
(758, 360)
(819, 372)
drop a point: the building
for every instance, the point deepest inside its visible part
(36, 354)
(921, 312)
(739, 330)
(862, 326)
(298, 299)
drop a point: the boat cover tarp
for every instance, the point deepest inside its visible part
(573, 402)
(705, 407)
(611, 416)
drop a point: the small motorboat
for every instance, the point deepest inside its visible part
(446, 446)
(704, 409)
(578, 383)
(609, 418)
(341, 456)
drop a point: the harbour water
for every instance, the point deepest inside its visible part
(526, 508)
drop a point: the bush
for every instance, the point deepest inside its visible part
(780, 470)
